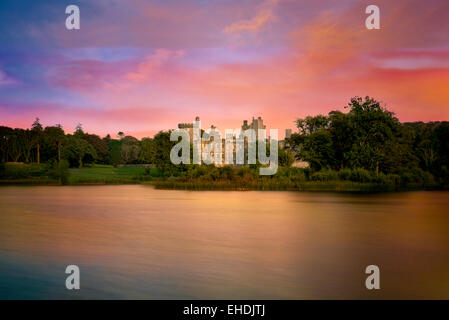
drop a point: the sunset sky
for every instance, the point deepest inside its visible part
(142, 66)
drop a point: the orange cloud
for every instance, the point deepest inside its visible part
(264, 15)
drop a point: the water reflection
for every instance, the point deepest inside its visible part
(138, 242)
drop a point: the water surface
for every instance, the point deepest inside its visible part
(135, 241)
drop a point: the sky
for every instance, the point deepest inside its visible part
(141, 66)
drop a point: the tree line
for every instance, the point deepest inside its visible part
(41, 145)
(363, 143)
(371, 138)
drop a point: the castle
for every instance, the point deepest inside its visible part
(256, 124)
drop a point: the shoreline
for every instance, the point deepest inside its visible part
(167, 184)
(206, 178)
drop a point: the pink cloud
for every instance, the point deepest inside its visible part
(152, 65)
(264, 15)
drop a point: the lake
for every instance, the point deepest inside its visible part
(137, 242)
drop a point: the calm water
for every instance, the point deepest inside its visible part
(138, 242)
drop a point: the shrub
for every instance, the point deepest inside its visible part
(361, 175)
(37, 170)
(345, 174)
(244, 170)
(227, 172)
(2, 170)
(297, 174)
(416, 176)
(16, 171)
(59, 171)
(443, 178)
(393, 179)
(324, 175)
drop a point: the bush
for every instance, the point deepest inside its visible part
(59, 171)
(246, 171)
(443, 178)
(296, 174)
(16, 171)
(286, 158)
(324, 175)
(345, 174)
(37, 170)
(393, 181)
(416, 176)
(2, 170)
(361, 175)
(227, 172)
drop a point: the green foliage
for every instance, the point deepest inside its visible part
(115, 157)
(309, 125)
(324, 175)
(59, 171)
(111, 175)
(317, 149)
(361, 175)
(416, 177)
(147, 154)
(368, 144)
(345, 174)
(162, 147)
(286, 157)
(443, 178)
(100, 146)
(76, 149)
(130, 149)
(15, 171)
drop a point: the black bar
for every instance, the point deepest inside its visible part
(226, 309)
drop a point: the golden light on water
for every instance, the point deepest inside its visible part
(138, 242)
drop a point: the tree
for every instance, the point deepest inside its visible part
(295, 143)
(286, 157)
(340, 128)
(147, 153)
(17, 144)
(368, 137)
(100, 146)
(130, 149)
(77, 148)
(37, 132)
(162, 147)
(5, 137)
(114, 156)
(28, 146)
(310, 124)
(55, 136)
(372, 127)
(441, 142)
(317, 149)
(79, 131)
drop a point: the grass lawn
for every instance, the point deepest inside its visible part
(101, 174)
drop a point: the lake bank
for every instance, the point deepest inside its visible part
(173, 184)
(224, 178)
